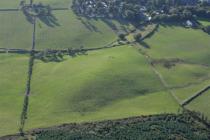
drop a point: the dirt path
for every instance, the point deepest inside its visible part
(162, 80)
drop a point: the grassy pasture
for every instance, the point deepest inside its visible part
(204, 22)
(13, 72)
(106, 84)
(177, 42)
(9, 4)
(183, 75)
(189, 45)
(186, 92)
(201, 104)
(56, 3)
(71, 32)
(15, 31)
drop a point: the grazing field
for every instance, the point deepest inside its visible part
(204, 22)
(56, 3)
(67, 31)
(9, 4)
(70, 31)
(177, 42)
(15, 31)
(106, 84)
(190, 49)
(188, 91)
(13, 72)
(185, 79)
(182, 75)
(201, 104)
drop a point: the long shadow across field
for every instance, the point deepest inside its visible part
(100, 93)
(46, 16)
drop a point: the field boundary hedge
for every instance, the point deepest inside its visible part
(194, 96)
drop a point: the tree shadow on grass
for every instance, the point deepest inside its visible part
(105, 91)
(86, 22)
(42, 12)
(144, 44)
(49, 20)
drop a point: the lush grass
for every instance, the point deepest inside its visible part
(106, 84)
(178, 42)
(182, 75)
(9, 3)
(186, 92)
(201, 104)
(189, 45)
(13, 72)
(56, 3)
(15, 31)
(72, 32)
(204, 22)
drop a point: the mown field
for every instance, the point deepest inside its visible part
(56, 3)
(13, 73)
(70, 32)
(177, 42)
(204, 22)
(13, 35)
(186, 92)
(189, 73)
(201, 104)
(63, 29)
(9, 4)
(105, 84)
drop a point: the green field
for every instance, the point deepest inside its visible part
(13, 35)
(182, 75)
(204, 22)
(190, 46)
(73, 33)
(107, 84)
(186, 92)
(177, 42)
(56, 3)
(9, 3)
(13, 72)
(185, 79)
(65, 30)
(201, 104)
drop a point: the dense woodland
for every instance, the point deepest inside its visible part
(159, 127)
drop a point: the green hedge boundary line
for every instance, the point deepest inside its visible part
(23, 116)
(199, 93)
(151, 33)
(65, 51)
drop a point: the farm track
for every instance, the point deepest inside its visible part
(170, 89)
(162, 80)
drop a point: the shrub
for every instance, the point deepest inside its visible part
(122, 36)
(138, 37)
